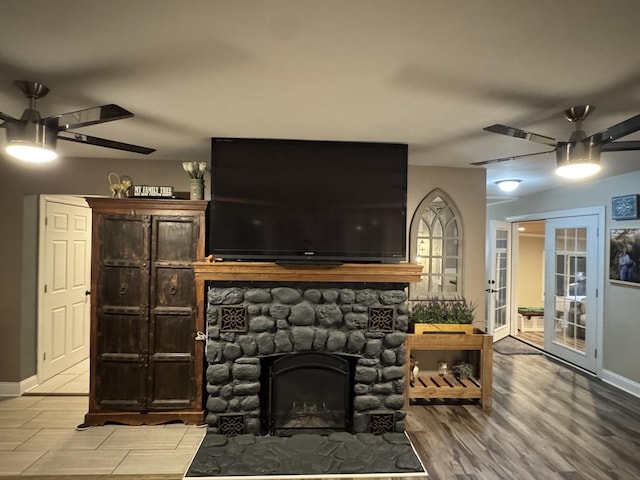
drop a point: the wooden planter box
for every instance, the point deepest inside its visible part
(443, 327)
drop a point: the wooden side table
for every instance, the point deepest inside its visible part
(430, 384)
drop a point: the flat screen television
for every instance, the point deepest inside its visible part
(304, 201)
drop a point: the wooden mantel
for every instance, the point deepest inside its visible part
(268, 272)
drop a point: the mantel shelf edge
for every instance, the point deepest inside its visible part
(268, 272)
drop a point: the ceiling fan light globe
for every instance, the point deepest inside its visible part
(577, 160)
(28, 152)
(578, 170)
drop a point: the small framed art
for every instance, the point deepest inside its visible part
(624, 207)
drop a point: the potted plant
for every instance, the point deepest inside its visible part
(462, 370)
(442, 315)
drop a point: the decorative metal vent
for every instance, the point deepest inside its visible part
(381, 319)
(380, 423)
(233, 319)
(231, 425)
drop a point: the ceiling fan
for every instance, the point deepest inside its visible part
(33, 138)
(580, 156)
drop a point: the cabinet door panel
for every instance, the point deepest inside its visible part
(172, 383)
(125, 286)
(174, 287)
(123, 313)
(120, 383)
(175, 239)
(173, 333)
(173, 309)
(125, 238)
(123, 333)
(171, 360)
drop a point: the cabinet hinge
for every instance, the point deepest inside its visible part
(595, 355)
(44, 356)
(45, 288)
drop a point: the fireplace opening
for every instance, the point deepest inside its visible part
(307, 392)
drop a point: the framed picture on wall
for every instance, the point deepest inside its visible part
(624, 255)
(624, 207)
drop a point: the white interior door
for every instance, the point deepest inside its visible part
(64, 280)
(498, 283)
(571, 280)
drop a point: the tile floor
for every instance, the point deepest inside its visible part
(73, 381)
(38, 437)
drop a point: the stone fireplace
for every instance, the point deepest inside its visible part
(306, 356)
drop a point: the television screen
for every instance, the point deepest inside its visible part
(307, 201)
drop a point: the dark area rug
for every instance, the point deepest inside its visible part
(337, 454)
(513, 346)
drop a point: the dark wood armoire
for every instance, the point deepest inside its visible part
(146, 363)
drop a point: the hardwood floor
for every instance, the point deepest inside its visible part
(535, 338)
(548, 422)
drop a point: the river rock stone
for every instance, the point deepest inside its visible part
(302, 314)
(257, 295)
(286, 295)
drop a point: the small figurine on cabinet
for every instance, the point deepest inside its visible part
(119, 186)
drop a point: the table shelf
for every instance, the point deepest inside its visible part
(431, 385)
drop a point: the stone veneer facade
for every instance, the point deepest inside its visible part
(247, 321)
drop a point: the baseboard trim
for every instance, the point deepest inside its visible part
(621, 382)
(15, 389)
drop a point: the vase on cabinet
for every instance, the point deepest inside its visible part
(197, 189)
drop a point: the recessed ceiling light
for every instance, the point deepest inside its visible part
(508, 185)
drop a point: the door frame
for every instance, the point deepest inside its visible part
(40, 317)
(598, 211)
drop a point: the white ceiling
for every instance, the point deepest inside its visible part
(431, 73)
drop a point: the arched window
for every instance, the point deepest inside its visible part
(436, 244)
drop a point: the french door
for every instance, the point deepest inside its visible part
(571, 301)
(498, 280)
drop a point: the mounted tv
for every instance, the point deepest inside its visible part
(303, 201)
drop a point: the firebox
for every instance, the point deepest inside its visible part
(307, 392)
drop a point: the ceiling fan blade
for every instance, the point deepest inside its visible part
(7, 118)
(620, 146)
(517, 133)
(507, 159)
(90, 116)
(616, 131)
(102, 142)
